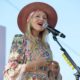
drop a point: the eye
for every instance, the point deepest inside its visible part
(45, 18)
(37, 16)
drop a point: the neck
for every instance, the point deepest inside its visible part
(35, 33)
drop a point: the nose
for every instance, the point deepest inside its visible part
(41, 18)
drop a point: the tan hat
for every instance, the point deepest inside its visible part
(24, 13)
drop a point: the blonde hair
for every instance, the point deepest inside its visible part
(42, 36)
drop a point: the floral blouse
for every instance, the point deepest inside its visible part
(20, 53)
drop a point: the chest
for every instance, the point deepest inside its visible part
(35, 51)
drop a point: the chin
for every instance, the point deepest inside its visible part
(39, 29)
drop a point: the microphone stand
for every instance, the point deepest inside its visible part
(77, 74)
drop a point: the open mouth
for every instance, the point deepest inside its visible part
(40, 24)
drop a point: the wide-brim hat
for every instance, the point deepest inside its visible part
(26, 10)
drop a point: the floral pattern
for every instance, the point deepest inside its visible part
(20, 53)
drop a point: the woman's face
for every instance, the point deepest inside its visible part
(39, 19)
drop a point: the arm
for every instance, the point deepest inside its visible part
(15, 57)
(33, 65)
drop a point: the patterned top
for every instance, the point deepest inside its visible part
(21, 53)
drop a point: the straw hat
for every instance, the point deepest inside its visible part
(26, 10)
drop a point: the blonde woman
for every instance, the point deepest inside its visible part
(30, 53)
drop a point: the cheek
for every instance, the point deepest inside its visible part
(33, 23)
(33, 26)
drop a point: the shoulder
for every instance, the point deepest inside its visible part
(18, 37)
(17, 43)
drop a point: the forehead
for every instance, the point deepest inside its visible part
(38, 12)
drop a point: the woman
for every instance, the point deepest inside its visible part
(54, 71)
(30, 53)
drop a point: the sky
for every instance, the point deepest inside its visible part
(68, 12)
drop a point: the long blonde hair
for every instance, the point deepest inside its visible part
(42, 36)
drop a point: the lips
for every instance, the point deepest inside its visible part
(40, 24)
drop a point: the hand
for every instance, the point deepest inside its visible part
(40, 61)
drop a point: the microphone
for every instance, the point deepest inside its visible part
(55, 32)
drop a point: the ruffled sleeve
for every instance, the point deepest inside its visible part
(15, 58)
